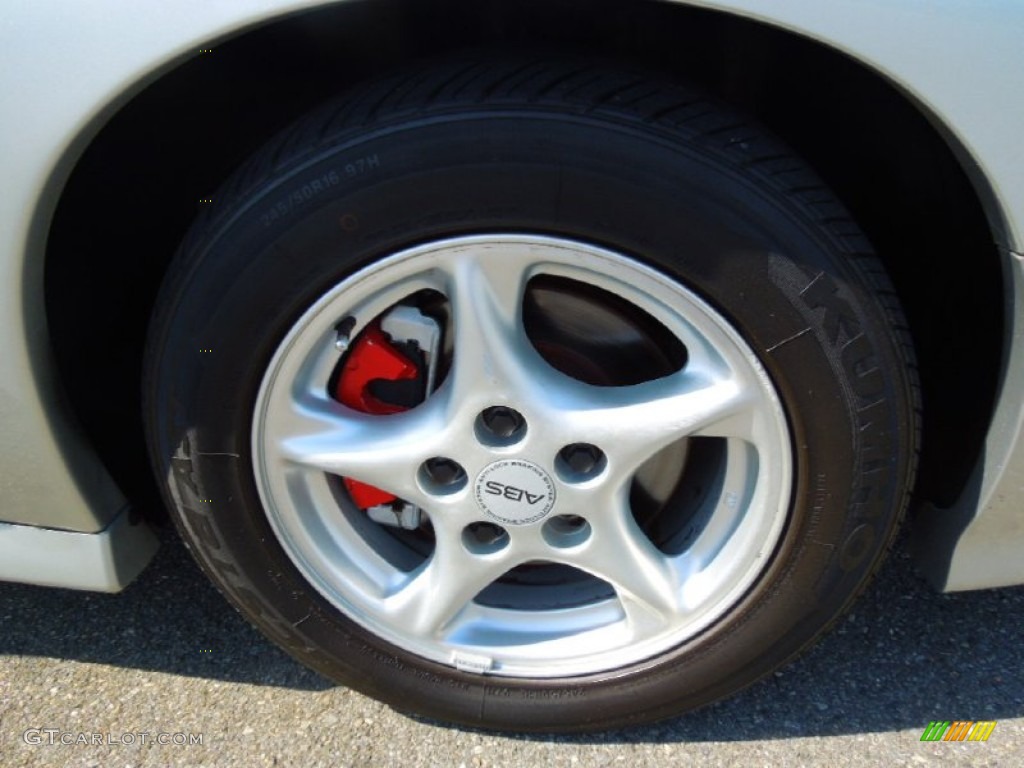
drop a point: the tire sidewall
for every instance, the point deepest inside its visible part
(786, 280)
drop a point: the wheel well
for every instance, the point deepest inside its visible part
(146, 174)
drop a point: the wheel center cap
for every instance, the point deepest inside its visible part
(514, 492)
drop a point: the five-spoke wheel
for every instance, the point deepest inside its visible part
(543, 462)
(532, 395)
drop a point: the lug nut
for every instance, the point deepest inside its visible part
(484, 538)
(572, 522)
(487, 533)
(582, 458)
(444, 471)
(502, 421)
(566, 530)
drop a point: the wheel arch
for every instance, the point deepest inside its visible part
(184, 129)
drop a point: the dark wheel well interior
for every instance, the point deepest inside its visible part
(142, 180)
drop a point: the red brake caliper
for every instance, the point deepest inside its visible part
(372, 358)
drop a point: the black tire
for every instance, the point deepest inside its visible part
(598, 156)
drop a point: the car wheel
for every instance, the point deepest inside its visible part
(532, 395)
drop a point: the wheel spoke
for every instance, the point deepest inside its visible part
(645, 580)
(485, 290)
(633, 423)
(383, 451)
(435, 593)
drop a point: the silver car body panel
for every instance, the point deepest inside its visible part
(67, 67)
(106, 561)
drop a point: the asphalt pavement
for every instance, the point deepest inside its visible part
(141, 678)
